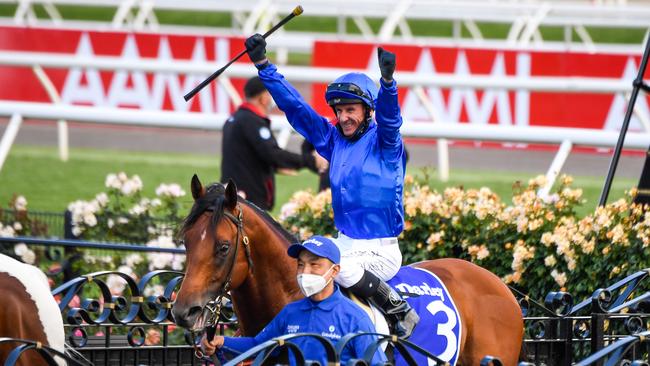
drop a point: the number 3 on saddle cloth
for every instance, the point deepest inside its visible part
(439, 328)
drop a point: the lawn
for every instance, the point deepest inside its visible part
(50, 185)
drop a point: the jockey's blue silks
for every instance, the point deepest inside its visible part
(366, 175)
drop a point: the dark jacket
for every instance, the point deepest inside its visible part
(250, 156)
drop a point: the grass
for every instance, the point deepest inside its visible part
(50, 185)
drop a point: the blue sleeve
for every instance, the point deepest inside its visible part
(303, 118)
(360, 344)
(238, 345)
(242, 344)
(389, 121)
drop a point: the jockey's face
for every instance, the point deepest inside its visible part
(308, 263)
(350, 117)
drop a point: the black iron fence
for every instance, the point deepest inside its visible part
(58, 225)
(561, 333)
(609, 328)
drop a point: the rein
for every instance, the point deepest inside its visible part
(211, 311)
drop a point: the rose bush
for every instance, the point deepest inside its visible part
(535, 243)
(121, 214)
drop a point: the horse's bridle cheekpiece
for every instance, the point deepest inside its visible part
(211, 311)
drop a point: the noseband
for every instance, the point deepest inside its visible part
(212, 310)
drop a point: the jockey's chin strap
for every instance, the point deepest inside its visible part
(212, 310)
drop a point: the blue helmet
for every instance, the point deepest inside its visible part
(350, 88)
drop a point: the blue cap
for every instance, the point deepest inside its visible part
(317, 245)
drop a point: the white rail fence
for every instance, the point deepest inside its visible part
(524, 18)
(442, 130)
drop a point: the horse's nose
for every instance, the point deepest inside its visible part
(186, 316)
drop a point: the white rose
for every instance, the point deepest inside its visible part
(90, 220)
(110, 223)
(20, 204)
(177, 263)
(29, 257)
(18, 226)
(102, 199)
(128, 188)
(76, 231)
(132, 260)
(126, 270)
(116, 284)
(7, 231)
(20, 249)
(112, 182)
(122, 177)
(137, 182)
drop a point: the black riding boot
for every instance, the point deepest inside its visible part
(401, 316)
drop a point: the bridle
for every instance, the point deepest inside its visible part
(212, 310)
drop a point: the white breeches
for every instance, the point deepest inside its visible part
(381, 257)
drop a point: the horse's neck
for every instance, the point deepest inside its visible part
(271, 285)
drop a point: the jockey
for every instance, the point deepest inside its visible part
(367, 166)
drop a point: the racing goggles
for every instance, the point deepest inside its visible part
(346, 88)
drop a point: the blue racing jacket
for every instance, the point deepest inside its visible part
(331, 318)
(367, 175)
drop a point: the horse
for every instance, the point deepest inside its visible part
(234, 246)
(29, 311)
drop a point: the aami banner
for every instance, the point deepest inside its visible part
(130, 89)
(161, 90)
(497, 106)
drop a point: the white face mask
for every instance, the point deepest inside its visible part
(311, 284)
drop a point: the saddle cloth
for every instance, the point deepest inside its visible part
(439, 329)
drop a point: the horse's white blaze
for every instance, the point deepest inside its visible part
(38, 289)
(203, 235)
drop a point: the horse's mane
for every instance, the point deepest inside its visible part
(273, 224)
(214, 199)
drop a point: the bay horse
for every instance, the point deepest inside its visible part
(28, 311)
(233, 245)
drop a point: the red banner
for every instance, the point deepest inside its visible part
(131, 89)
(497, 106)
(135, 89)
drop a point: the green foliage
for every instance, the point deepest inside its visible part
(538, 244)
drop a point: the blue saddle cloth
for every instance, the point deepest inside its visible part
(439, 329)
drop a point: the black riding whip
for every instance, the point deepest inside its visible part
(297, 11)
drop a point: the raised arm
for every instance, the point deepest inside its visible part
(387, 114)
(304, 119)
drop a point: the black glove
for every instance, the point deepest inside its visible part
(256, 47)
(386, 63)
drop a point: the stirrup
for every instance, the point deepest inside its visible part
(403, 326)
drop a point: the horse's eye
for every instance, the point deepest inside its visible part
(223, 247)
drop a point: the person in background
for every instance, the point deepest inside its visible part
(250, 153)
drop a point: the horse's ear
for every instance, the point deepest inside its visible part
(231, 194)
(197, 188)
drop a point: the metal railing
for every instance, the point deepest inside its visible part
(613, 329)
(524, 18)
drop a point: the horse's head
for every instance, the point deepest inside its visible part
(213, 234)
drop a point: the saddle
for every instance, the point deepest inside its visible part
(377, 317)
